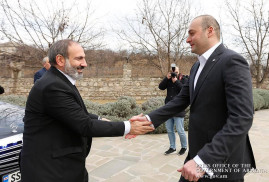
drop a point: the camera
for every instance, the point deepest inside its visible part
(173, 74)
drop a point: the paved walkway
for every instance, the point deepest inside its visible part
(142, 160)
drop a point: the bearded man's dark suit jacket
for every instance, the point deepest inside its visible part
(221, 112)
(58, 131)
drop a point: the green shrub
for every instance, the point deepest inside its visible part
(125, 107)
(264, 104)
(258, 101)
(152, 104)
(92, 107)
(14, 99)
(186, 119)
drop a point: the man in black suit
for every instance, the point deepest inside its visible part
(219, 92)
(58, 130)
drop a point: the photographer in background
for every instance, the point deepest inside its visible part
(173, 82)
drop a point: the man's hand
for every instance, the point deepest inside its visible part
(191, 171)
(168, 75)
(104, 119)
(140, 127)
(129, 136)
(134, 118)
(144, 122)
(139, 117)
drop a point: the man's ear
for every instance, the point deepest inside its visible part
(60, 60)
(210, 31)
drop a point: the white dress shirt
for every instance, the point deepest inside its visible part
(202, 59)
(126, 123)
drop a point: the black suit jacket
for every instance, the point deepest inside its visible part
(58, 131)
(221, 112)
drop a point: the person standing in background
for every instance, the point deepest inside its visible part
(46, 66)
(173, 83)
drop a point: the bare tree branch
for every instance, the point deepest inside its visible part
(250, 23)
(27, 23)
(162, 31)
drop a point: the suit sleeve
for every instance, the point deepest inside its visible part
(178, 85)
(61, 105)
(238, 93)
(179, 103)
(93, 116)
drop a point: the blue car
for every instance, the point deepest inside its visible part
(11, 132)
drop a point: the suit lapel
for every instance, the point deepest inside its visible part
(212, 60)
(192, 76)
(78, 95)
(73, 87)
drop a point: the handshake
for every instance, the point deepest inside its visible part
(139, 126)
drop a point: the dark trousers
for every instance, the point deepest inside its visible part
(182, 179)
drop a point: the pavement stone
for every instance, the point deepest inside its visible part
(142, 159)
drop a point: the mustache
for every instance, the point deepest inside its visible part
(81, 67)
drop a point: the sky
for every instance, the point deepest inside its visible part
(110, 13)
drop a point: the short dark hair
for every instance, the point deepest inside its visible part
(59, 47)
(207, 21)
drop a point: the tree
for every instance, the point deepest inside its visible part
(159, 29)
(39, 25)
(251, 22)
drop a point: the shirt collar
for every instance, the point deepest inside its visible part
(73, 81)
(204, 57)
(208, 53)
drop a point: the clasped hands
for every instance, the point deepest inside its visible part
(139, 126)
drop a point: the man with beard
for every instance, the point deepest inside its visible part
(58, 129)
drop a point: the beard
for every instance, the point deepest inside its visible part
(72, 71)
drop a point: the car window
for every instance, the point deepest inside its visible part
(11, 119)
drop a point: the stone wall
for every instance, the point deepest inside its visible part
(19, 86)
(110, 88)
(102, 88)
